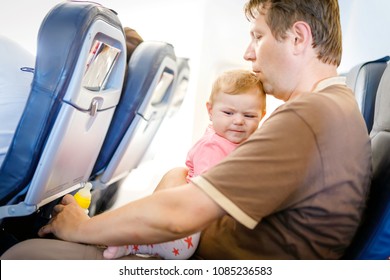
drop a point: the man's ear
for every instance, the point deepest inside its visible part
(209, 107)
(302, 36)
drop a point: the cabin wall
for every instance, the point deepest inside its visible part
(365, 31)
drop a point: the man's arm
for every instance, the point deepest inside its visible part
(165, 215)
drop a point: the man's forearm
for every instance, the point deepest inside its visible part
(165, 215)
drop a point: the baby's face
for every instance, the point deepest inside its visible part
(236, 117)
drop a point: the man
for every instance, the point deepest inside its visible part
(295, 189)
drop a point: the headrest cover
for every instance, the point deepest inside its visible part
(382, 105)
(364, 79)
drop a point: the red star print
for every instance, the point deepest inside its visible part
(189, 242)
(135, 248)
(175, 251)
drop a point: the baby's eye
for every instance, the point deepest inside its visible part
(228, 113)
(250, 116)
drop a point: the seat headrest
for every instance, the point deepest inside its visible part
(382, 105)
(364, 79)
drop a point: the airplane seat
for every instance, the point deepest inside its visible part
(372, 240)
(79, 71)
(143, 105)
(180, 87)
(364, 79)
(178, 95)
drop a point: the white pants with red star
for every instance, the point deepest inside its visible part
(180, 249)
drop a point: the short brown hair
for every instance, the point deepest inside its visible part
(133, 40)
(237, 81)
(323, 17)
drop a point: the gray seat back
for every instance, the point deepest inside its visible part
(144, 104)
(79, 72)
(372, 240)
(364, 79)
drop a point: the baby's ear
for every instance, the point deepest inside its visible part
(209, 107)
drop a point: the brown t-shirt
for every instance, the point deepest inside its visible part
(296, 188)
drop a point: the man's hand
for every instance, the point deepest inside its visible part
(66, 220)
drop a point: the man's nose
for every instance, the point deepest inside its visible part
(249, 54)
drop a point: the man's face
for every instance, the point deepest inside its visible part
(272, 60)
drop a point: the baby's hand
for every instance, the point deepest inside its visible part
(114, 252)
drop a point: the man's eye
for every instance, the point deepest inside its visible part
(257, 36)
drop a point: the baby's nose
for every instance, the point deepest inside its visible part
(238, 119)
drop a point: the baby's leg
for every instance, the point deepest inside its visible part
(179, 249)
(173, 178)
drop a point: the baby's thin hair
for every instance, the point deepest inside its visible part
(234, 82)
